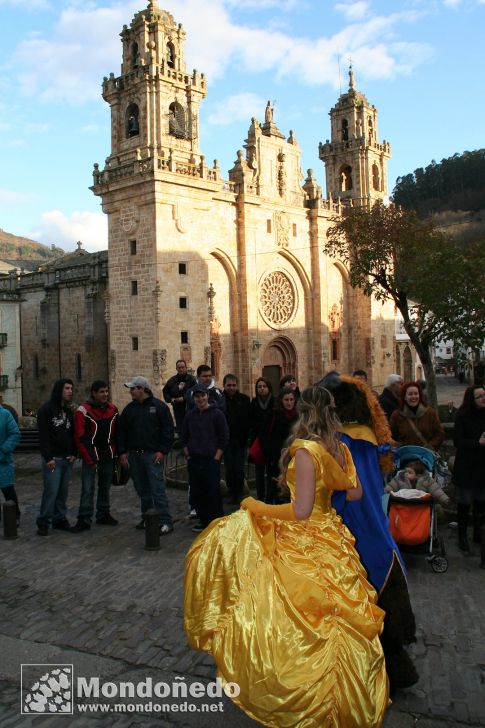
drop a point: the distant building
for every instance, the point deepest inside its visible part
(60, 310)
(10, 355)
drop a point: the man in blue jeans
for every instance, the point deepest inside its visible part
(145, 437)
(95, 432)
(205, 435)
(56, 440)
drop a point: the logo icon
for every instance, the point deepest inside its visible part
(46, 689)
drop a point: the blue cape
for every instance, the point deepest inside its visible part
(365, 518)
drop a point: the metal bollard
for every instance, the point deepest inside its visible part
(152, 530)
(9, 520)
(482, 547)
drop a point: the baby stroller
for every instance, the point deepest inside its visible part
(412, 514)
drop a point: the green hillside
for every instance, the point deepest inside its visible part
(14, 247)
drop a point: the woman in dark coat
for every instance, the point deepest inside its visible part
(261, 405)
(275, 432)
(469, 467)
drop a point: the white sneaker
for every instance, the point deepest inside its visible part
(165, 529)
(193, 513)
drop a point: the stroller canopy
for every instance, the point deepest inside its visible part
(415, 452)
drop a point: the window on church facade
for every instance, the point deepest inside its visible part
(345, 130)
(183, 303)
(345, 178)
(134, 343)
(268, 226)
(170, 55)
(334, 350)
(36, 366)
(132, 121)
(176, 120)
(294, 230)
(184, 337)
(376, 177)
(135, 55)
(134, 288)
(182, 269)
(79, 369)
(132, 247)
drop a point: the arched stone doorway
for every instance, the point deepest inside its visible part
(279, 359)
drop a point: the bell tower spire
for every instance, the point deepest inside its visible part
(355, 161)
(154, 102)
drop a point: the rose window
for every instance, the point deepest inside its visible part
(277, 298)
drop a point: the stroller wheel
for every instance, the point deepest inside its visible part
(439, 564)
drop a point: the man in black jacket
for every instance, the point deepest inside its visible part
(145, 437)
(56, 440)
(174, 392)
(389, 399)
(237, 408)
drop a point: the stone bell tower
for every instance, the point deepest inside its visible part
(355, 161)
(154, 103)
(147, 186)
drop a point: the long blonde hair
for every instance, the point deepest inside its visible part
(317, 421)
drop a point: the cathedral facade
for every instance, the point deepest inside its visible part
(229, 272)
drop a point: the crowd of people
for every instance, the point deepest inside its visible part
(309, 561)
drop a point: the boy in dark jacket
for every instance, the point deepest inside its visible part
(56, 440)
(95, 430)
(205, 435)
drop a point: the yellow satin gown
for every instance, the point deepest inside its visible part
(286, 611)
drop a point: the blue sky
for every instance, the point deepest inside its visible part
(419, 61)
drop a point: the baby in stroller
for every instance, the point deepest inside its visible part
(417, 474)
(412, 506)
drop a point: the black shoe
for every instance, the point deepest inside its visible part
(62, 525)
(107, 520)
(197, 528)
(80, 526)
(42, 529)
(140, 526)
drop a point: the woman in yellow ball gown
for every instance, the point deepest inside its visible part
(278, 596)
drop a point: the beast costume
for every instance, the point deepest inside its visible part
(367, 435)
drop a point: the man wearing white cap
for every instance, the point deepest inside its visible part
(145, 438)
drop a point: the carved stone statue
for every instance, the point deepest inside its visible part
(268, 114)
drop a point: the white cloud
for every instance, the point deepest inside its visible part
(91, 228)
(85, 45)
(12, 197)
(284, 5)
(353, 11)
(239, 107)
(452, 3)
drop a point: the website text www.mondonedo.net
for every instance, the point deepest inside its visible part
(151, 707)
(92, 688)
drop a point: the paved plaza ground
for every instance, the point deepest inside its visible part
(99, 601)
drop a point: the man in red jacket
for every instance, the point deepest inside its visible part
(95, 424)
